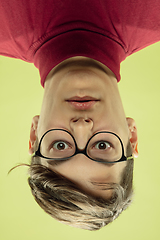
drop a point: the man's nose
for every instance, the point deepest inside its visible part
(82, 130)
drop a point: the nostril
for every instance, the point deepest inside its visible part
(83, 119)
(87, 120)
(75, 120)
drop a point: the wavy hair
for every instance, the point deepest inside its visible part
(64, 201)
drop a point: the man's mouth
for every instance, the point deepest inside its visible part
(82, 103)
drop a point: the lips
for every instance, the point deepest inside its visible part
(82, 103)
(82, 99)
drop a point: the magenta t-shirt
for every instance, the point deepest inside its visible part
(46, 32)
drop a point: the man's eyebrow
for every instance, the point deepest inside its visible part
(55, 162)
(59, 162)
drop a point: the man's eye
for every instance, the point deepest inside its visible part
(102, 145)
(60, 145)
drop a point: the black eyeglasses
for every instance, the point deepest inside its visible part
(59, 144)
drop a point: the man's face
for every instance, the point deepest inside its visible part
(60, 109)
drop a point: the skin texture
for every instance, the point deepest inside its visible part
(80, 76)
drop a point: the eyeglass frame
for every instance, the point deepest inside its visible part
(84, 151)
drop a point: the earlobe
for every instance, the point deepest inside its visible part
(133, 136)
(33, 134)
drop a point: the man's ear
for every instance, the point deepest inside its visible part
(33, 134)
(133, 136)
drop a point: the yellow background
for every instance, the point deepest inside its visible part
(20, 99)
